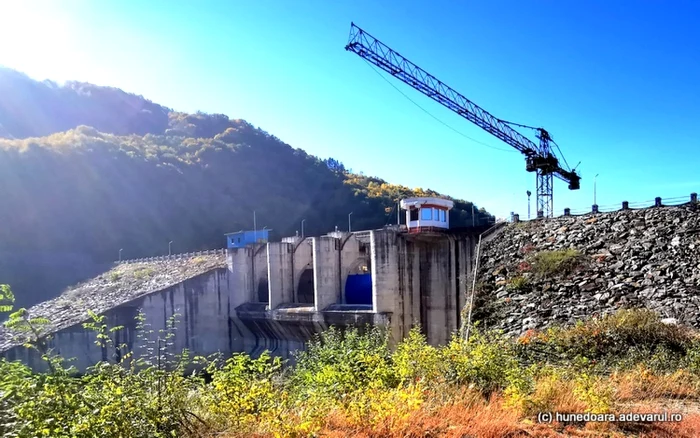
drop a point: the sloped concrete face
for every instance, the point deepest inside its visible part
(199, 308)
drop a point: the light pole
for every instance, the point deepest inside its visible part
(473, 222)
(170, 244)
(255, 228)
(594, 188)
(528, 203)
(302, 228)
(350, 223)
(120, 254)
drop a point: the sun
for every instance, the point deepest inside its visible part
(37, 38)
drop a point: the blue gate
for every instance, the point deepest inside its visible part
(358, 289)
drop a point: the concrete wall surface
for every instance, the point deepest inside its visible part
(414, 281)
(202, 326)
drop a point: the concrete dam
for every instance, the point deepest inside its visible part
(276, 295)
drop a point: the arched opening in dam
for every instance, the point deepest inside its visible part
(263, 293)
(305, 292)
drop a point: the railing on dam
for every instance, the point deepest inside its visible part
(179, 256)
(677, 201)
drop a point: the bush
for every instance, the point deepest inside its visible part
(7, 298)
(560, 262)
(351, 383)
(560, 390)
(243, 391)
(415, 360)
(39, 404)
(620, 339)
(692, 358)
(487, 361)
(339, 363)
(151, 402)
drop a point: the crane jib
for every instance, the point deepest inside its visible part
(447, 96)
(539, 158)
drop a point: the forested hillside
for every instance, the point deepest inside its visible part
(86, 171)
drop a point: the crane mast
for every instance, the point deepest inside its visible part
(539, 158)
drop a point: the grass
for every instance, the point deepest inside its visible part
(560, 262)
(517, 284)
(198, 260)
(143, 273)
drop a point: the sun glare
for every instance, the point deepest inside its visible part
(36, 37)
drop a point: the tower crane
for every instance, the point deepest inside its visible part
(540, 158)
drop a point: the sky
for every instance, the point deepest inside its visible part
(615, 83)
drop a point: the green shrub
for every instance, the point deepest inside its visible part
(487, 361)
(143, 273)
(7, 298)
(595, 392)
(338, 363)
(151, 402)
(109, 400)
(414, 359)
(692, 358)
(559, 262)
(243, 391)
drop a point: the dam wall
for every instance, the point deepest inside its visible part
(275, 296)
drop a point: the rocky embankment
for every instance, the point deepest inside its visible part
(121, 284)
(537, 273)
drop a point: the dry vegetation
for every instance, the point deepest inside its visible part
(352, 384)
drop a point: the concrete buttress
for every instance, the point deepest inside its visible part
(280, 273)
(240, 266)
(326, 271)
(385, 273)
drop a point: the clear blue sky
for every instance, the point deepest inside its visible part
(615, 83)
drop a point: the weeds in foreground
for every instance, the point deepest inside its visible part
(352, 384)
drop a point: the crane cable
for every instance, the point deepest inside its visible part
(532, 127)
(434, 117)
